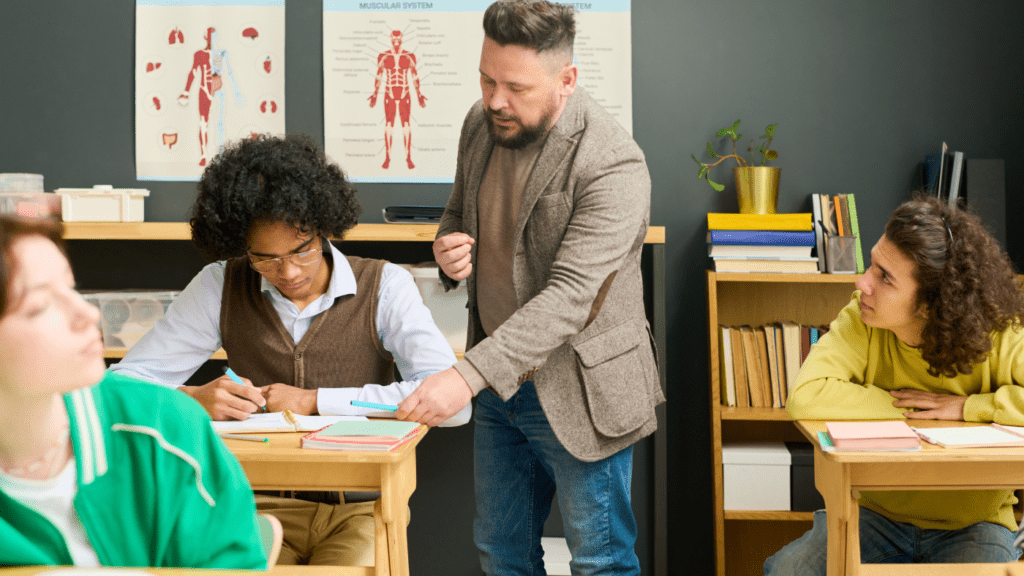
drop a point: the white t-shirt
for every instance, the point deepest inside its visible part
(54, 498)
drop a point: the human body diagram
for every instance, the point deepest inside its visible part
(209, 66)
(396, 69)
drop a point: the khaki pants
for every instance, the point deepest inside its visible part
(322, 534)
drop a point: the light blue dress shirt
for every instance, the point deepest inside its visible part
(189, 334)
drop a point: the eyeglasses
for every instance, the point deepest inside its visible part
(304, 258)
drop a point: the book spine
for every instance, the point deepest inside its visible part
(839, 215)
(730, 221)
(819, 232)
(762, 237)
(855, 224)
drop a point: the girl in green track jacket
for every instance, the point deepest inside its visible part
(100, 469)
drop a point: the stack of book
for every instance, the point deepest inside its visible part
(835, 217)
(757, 365)
(374, 435)
(761, 242)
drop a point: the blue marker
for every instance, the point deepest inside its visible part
(231, 374)
(373, 405)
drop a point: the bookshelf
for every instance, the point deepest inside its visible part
(744, 539)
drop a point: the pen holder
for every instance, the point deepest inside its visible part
(841, 255)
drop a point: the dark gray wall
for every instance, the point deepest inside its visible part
(861, 91)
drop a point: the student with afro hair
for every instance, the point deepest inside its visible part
(308, 328)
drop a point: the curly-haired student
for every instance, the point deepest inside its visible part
(933, 332)
(307, 328)
(98, 468)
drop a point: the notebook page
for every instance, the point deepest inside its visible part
(963, 436)
(276, 422)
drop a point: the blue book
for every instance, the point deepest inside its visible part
(761, 237)
(814, 336)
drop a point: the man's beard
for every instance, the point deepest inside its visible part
(524, 137)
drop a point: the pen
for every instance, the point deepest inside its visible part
(374, 405)
(231, 374)
(244, 437)
(290, 417)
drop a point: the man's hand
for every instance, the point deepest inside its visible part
(930, 406)
(281, 397)
(436, 399)
(452, 254)
(423, 100)
(373, 100)
(225, 399)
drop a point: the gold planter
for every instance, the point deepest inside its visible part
(757, 189)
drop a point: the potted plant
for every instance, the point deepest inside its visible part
(757, 187)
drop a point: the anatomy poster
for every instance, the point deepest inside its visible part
(399, 78)
(207, 72)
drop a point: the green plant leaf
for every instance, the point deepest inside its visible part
(711, 151)
(703, 172)
(695, 160)
(770, 130)
(735, 125)
(722, 132)
(771, 155)
(716, 185)
(761, 150)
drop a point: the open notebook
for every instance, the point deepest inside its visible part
(276, 422)
(994, 435)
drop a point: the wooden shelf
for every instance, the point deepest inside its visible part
(786, 277)
(218, 355)
(180, 231)
(733, 413)
(768, 515)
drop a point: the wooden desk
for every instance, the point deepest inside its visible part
(840, 475)
(282, 465)
(275, 571)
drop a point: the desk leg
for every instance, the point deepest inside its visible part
(833, 481)
(398, 482)
(382, 561)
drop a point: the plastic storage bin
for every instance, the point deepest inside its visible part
(126, 316)
(102, 204)
(447, 308)
(803, 496)
(37, 204)
(756, 476)
(18, 182)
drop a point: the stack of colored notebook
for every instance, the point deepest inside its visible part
(375, 435)
(762, 242)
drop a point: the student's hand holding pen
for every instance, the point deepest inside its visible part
(227, 399)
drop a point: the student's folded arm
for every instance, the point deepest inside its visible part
(830, 384)
(1005, 404)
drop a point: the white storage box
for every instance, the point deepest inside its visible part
(126, 316)
(756, 476)
(447, 308)
(102, 203)
(36, 204)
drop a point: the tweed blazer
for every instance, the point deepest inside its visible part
(580, 331)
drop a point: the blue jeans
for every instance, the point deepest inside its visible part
(518, 462)
(883, 541)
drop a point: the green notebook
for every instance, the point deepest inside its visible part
(391, 428)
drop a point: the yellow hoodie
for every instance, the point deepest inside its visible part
(848, 375)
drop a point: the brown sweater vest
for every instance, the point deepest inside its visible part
(341, 348)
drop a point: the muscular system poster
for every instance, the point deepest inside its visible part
(399, 78)
(206, 72)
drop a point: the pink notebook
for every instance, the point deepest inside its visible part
(872, 435)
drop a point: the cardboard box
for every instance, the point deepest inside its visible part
(102, 203)
(756, 476)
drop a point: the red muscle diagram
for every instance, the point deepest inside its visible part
(396, 69)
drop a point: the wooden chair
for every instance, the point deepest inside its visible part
(272, 535)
